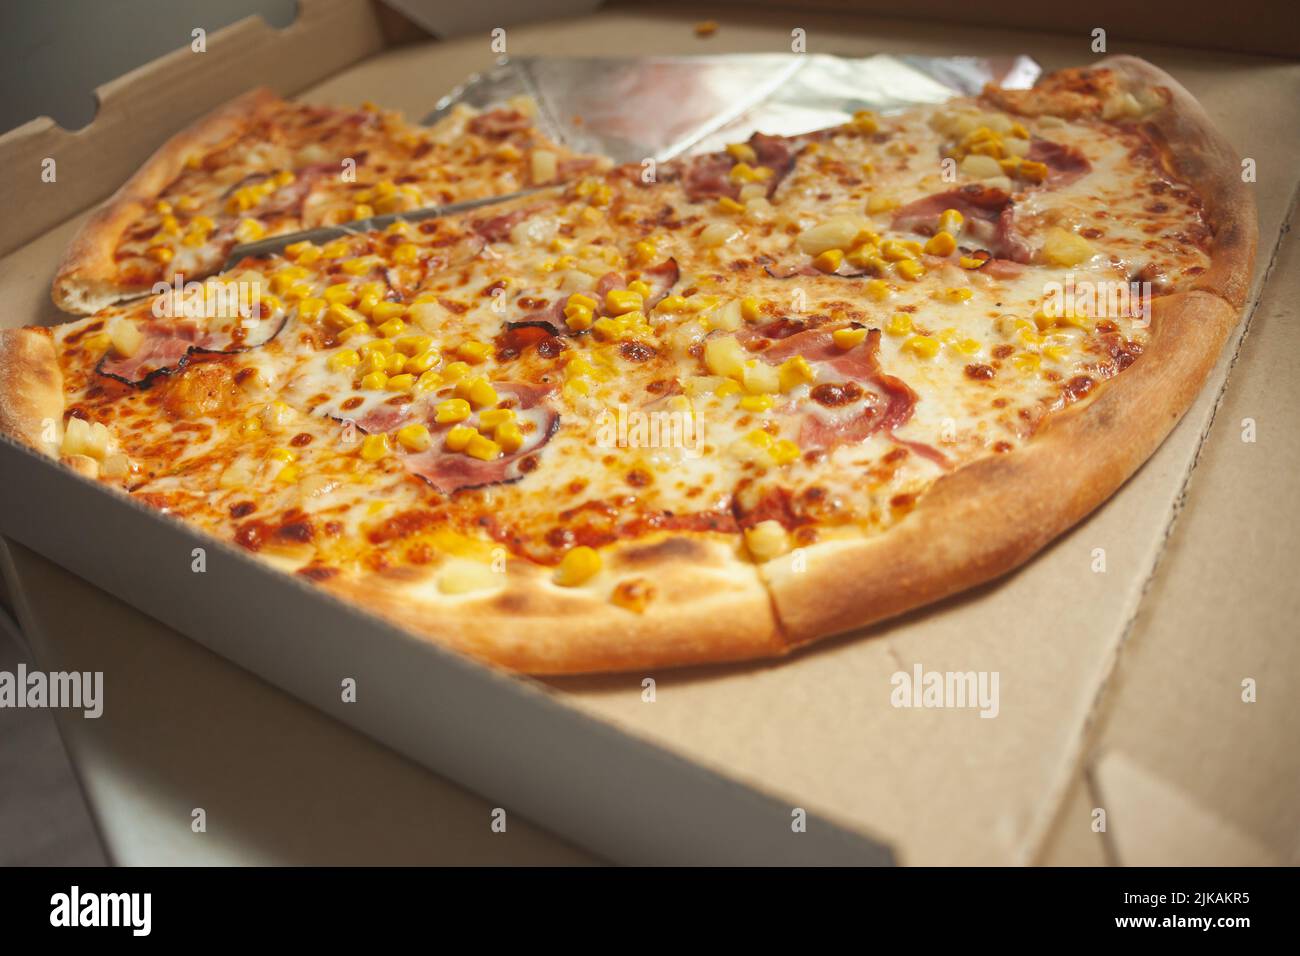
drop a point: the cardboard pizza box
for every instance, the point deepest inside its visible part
(1118, 690)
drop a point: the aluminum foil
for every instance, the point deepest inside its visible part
(660, 107)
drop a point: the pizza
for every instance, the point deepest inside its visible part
(712, 411)
(262, 167)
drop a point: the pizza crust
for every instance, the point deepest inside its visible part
(87, 278)
(31, 388)
(709, 605)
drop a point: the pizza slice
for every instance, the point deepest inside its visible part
(261, 167)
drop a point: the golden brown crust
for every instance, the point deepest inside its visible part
(980, 522)
(87, 278)
(31, 388)
(708, 605)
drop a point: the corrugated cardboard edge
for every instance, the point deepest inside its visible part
(165, 95)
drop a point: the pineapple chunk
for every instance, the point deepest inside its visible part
(725, 356)
(1062, 248)
(838, 232)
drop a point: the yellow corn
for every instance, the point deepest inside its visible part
(374, 447)
(451, 410)
(374, 381)
(346, 358)
(923, 346)
(483, 448)
(909, 269)
(941, 244)
(458, 437)
(829, 261)
(846, 339)
(414, 437)
(578, 566)
(619, 301)
(795, 371)
(899, 324)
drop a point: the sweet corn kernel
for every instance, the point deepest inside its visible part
(923, 346)
(578, 317)
(760, 439)
(846, 339)
(644, 251)
(249, 230)
(950, 221)
(729, 205)
(414, 437)
(474, 352)
(161, 254)
(289, 473)
(829, 261)
(482, 448)
(751, 309)
(406, 254)
(340, 294)
(374, 381)
(422, 361)
(784, 451)
(374, 447)
(671, 304)
(401, 383)
(391, 328)
(578, 566)
(451, 410)
(877, 290)
(757, 403)
(386, 311)
(458, 437)
(970, 262)
(345, 358)
(428, 381)
(742, 153)
(909, 269)
(795, 371)
(956, 294)
(728, 387)
(620, 301)
(509, 436)
(941, 244)
(900, 323)
(492, 417)
(454, 371)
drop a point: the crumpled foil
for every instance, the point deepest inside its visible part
(659, 107)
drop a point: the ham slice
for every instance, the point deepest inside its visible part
(1064, 164)
(708, 176)
(168, 343)
(886, 401)
(989, 214)
(449, 471)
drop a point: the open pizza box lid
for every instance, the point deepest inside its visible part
(718, 762)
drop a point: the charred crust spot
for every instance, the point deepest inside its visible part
(316, 572)
(980, 373)
(664, 551)
(242, 509)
